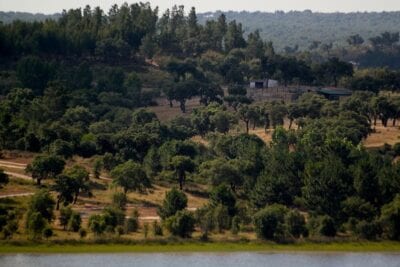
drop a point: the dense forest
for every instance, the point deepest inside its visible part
(286, 28)
(84, 85)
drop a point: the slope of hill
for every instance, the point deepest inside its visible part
(8, 17)
(302, 28)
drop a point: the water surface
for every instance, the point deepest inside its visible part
(203, 260)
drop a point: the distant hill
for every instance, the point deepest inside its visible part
(287, 28)
(302, 28)
(8, 17)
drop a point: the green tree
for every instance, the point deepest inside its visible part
(75, 221)
(44, 167)
(181, 165)
(181, 224)
(173, 202)
(269, 222)
(326, 185)
(390, 218)
(43, 203)
(131, 177)
(34, 73)
(296, 224)
(223, 195)
(65, 215)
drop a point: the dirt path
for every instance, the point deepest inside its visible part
(12, 165)
(18, 175)
(16, 195)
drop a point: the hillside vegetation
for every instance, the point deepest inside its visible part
(137, 125)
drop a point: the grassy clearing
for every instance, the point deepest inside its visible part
(165, 247)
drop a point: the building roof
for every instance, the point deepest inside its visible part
(335, 91)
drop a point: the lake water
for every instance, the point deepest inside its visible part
(203, 260)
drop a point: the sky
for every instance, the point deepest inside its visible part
(54, 6)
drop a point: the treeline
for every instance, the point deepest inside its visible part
(305, 27)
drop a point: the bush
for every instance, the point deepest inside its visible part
(35, 224)
(82, 233)
(221, 218)
(62, 148)
(65, 215)
(157, 229)
(145, 230)
(47, 232)
(296, 224)
(235, 228)
(113, 217)
(119, 230)
(368, 230)
(390, 219)
(74, 223)
(4, 179)
(119, 200)
(97, 166)
(223, 195)
(269, 222)
(96, 224)
(327, 226)
(174, 201)
(132, 223)
(204, 218)
(181, 224)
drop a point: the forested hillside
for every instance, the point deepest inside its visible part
(303, 28)
(286, 29)
(77, 95)
(9, 17)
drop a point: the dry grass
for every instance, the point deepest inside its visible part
(389, 135)
(165, 113)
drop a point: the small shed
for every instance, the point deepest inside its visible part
(334, 93)
(262, 84)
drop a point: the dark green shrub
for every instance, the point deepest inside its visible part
(235, 227)
(47, 232)
(62, 148)
(221, 218)
(97, 224)
(157, 229)
(181, 224)
(119, 200)
(65, 215)
(132, 223)
(296, 224)
(368, 230)
(327, 226)
(174, 201)
(82, 233)
(74, 223)
(390, 219)
(269, 222)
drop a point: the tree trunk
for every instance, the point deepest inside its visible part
(38, 181)
(290, 124)
(170, 104)
(247, 127)
(394, 122)
(76, 198)
(181, 181)
(183, 106)
(58, 203)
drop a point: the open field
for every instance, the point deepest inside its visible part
(187, 246)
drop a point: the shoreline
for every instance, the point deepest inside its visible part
(197, 247)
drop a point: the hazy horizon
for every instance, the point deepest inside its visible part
(51, 6)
